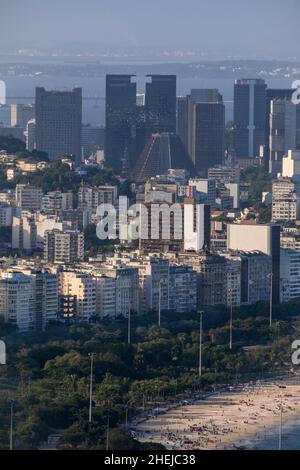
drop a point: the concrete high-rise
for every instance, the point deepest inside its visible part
(160, 103)
(258, 237)
(249, 117)
(16, 306)
(284, 131)
(182, 119)
(130, 122)
(63, 247)
(273, 94)
(119, 119)
(92, 139)
(201, 127)
(58, 122)
(208, 131)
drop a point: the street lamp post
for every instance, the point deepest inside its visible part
(280, 428)
(129, 323)
(107, 434)
(159, 305)
(271, 298)
(91, 385)
(200, 343)
(11, 425)
(231, 324)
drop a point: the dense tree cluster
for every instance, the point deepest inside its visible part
(47, 374)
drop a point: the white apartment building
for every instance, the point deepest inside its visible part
(47, 222)
(233, 280)
(82, 288)
(158, 284)
(28, 230)
(89, 198)
(24, 234)
(234, 190)
(16, 299)
(57, 200)
(105, 296)
(117, 289)
(196, 227)
(291, 165)
(127, 291)
(63, 247)
(28, 197)
(154, 282)
(44, 295)
(285, 201)
(182, 289)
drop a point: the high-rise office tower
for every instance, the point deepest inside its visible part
(206, 95)
(201, 127)
(58, 122)
(119, 119)
(206, 129)
(182, 119)
(160, 103)
(284, 131)
(249, 117)
(208, 141)
(273, 94)
(92, 139)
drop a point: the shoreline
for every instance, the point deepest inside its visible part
(240, 417)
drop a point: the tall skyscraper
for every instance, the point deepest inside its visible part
(119, 118)
(201, 127)
(92, 139)
(182, 119)
(284, 131)
(206, 95)
(208, 132)
(161, 103)
(249, 117)
(272, 94)
(58, 122)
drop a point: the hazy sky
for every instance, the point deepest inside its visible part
(249, 28)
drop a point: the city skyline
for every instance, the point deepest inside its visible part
(149, 228)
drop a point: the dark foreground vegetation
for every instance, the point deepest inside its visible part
(47, 374)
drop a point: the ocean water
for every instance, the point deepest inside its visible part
(18, 87)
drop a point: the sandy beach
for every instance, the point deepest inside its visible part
(241, 417)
